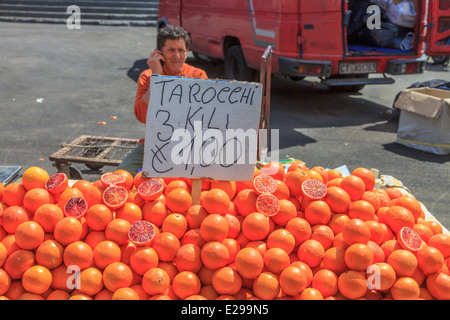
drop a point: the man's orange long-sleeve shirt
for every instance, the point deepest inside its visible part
(140, 106)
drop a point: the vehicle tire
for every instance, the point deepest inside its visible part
(444, 60)
(235, 66)
(161, 24)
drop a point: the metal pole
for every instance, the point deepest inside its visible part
(265, 79)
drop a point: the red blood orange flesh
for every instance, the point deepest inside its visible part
(150, 189)
(112, 178)
(141, 233)
(314, 189)
(75, 207)
(267, 204)
(409, 239)
(115, 197)
(264, 184)
(57, 183)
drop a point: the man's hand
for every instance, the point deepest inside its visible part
(156, 61)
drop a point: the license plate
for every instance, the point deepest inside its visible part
(349, 68)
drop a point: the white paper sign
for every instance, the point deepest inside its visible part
(202, 128)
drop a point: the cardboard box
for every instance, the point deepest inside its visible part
(424, 122)
(396, 13)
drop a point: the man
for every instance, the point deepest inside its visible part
(168, 59)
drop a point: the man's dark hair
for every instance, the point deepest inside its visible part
(172, 33)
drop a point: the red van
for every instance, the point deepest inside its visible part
(340, 41)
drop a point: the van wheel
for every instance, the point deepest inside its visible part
(444, 60)
(196, 55)
(235, 66)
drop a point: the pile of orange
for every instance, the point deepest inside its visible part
(356, 242)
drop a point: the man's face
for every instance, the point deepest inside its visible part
(175, 53)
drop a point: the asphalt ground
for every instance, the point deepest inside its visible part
(57, 84)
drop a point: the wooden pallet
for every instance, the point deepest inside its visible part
(93, 151)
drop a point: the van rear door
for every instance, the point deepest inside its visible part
(321, 35)
(438, 32)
